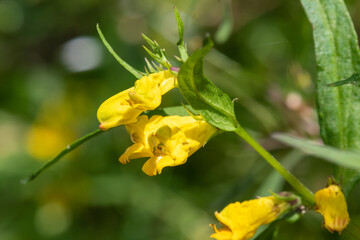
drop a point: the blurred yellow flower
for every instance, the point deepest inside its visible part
(43, 141)
(241, 220)
(331, 203)
(126, 106)
(168, 141)
(48, 135)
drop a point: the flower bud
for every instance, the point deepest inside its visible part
(331, 203)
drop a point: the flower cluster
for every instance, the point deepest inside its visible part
(167, 141)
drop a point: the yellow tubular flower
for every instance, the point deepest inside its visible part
(331, 203)
(117, 110)
(168, 141)
(43, 141)
(147, 91)
(241, 220)
(126, 106)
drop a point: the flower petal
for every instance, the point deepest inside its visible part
(155, 164)
(137, 150)
(147, 91)
(222, 234)
(116, 111)
(143, 128)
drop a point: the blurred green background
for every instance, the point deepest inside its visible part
(55, 72)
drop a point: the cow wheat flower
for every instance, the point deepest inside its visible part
(331, 203)
(241, 220)
(168, 141)
(126, 106)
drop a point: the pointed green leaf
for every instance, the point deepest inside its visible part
(151, 68)
(354, 80)
(345, 158)
(181, 45)
(337, 57)
(214, 105)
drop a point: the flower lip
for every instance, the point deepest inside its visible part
(167, 141)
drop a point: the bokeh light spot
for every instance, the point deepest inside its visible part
(52, 219)
(81, 54)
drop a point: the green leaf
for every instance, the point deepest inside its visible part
(337, 57)
(132, 70)
(181, 45)
(213, 105)
(345, 158)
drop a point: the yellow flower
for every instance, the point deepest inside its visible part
(46, 136)
(168, 141)
(126, 106)
(147, 91)
(117, 110)
(241, 220)
(44, 141)
(331, 203)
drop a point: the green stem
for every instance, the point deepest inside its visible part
(65, 151)
(132, 70)
(307, 195)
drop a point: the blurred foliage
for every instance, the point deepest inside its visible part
(54, 73)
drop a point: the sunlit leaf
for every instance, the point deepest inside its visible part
(207, 99)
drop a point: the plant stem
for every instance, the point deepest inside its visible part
(307, 195)
(65, 151)
(132, 70)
